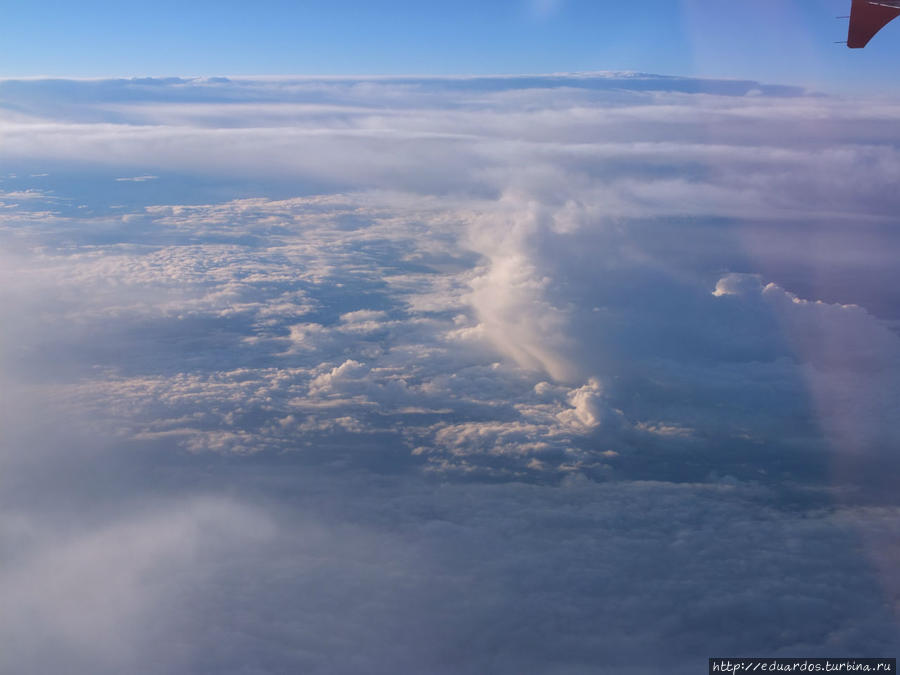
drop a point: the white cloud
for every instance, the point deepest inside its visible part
(98, 599)
(588, 409)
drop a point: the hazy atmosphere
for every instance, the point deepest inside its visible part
(585, 372)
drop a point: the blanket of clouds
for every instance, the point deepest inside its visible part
(563, 374)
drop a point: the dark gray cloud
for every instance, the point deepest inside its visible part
(352, 573)
(539, 374)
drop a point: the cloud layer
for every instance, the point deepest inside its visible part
(445, 375)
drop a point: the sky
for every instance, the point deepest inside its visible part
(785, 41)
(566, 373)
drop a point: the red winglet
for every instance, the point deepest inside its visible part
(867, 19)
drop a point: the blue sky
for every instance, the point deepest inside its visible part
(773, 40)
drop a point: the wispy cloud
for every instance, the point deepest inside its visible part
(137, 179)
(543, 9)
